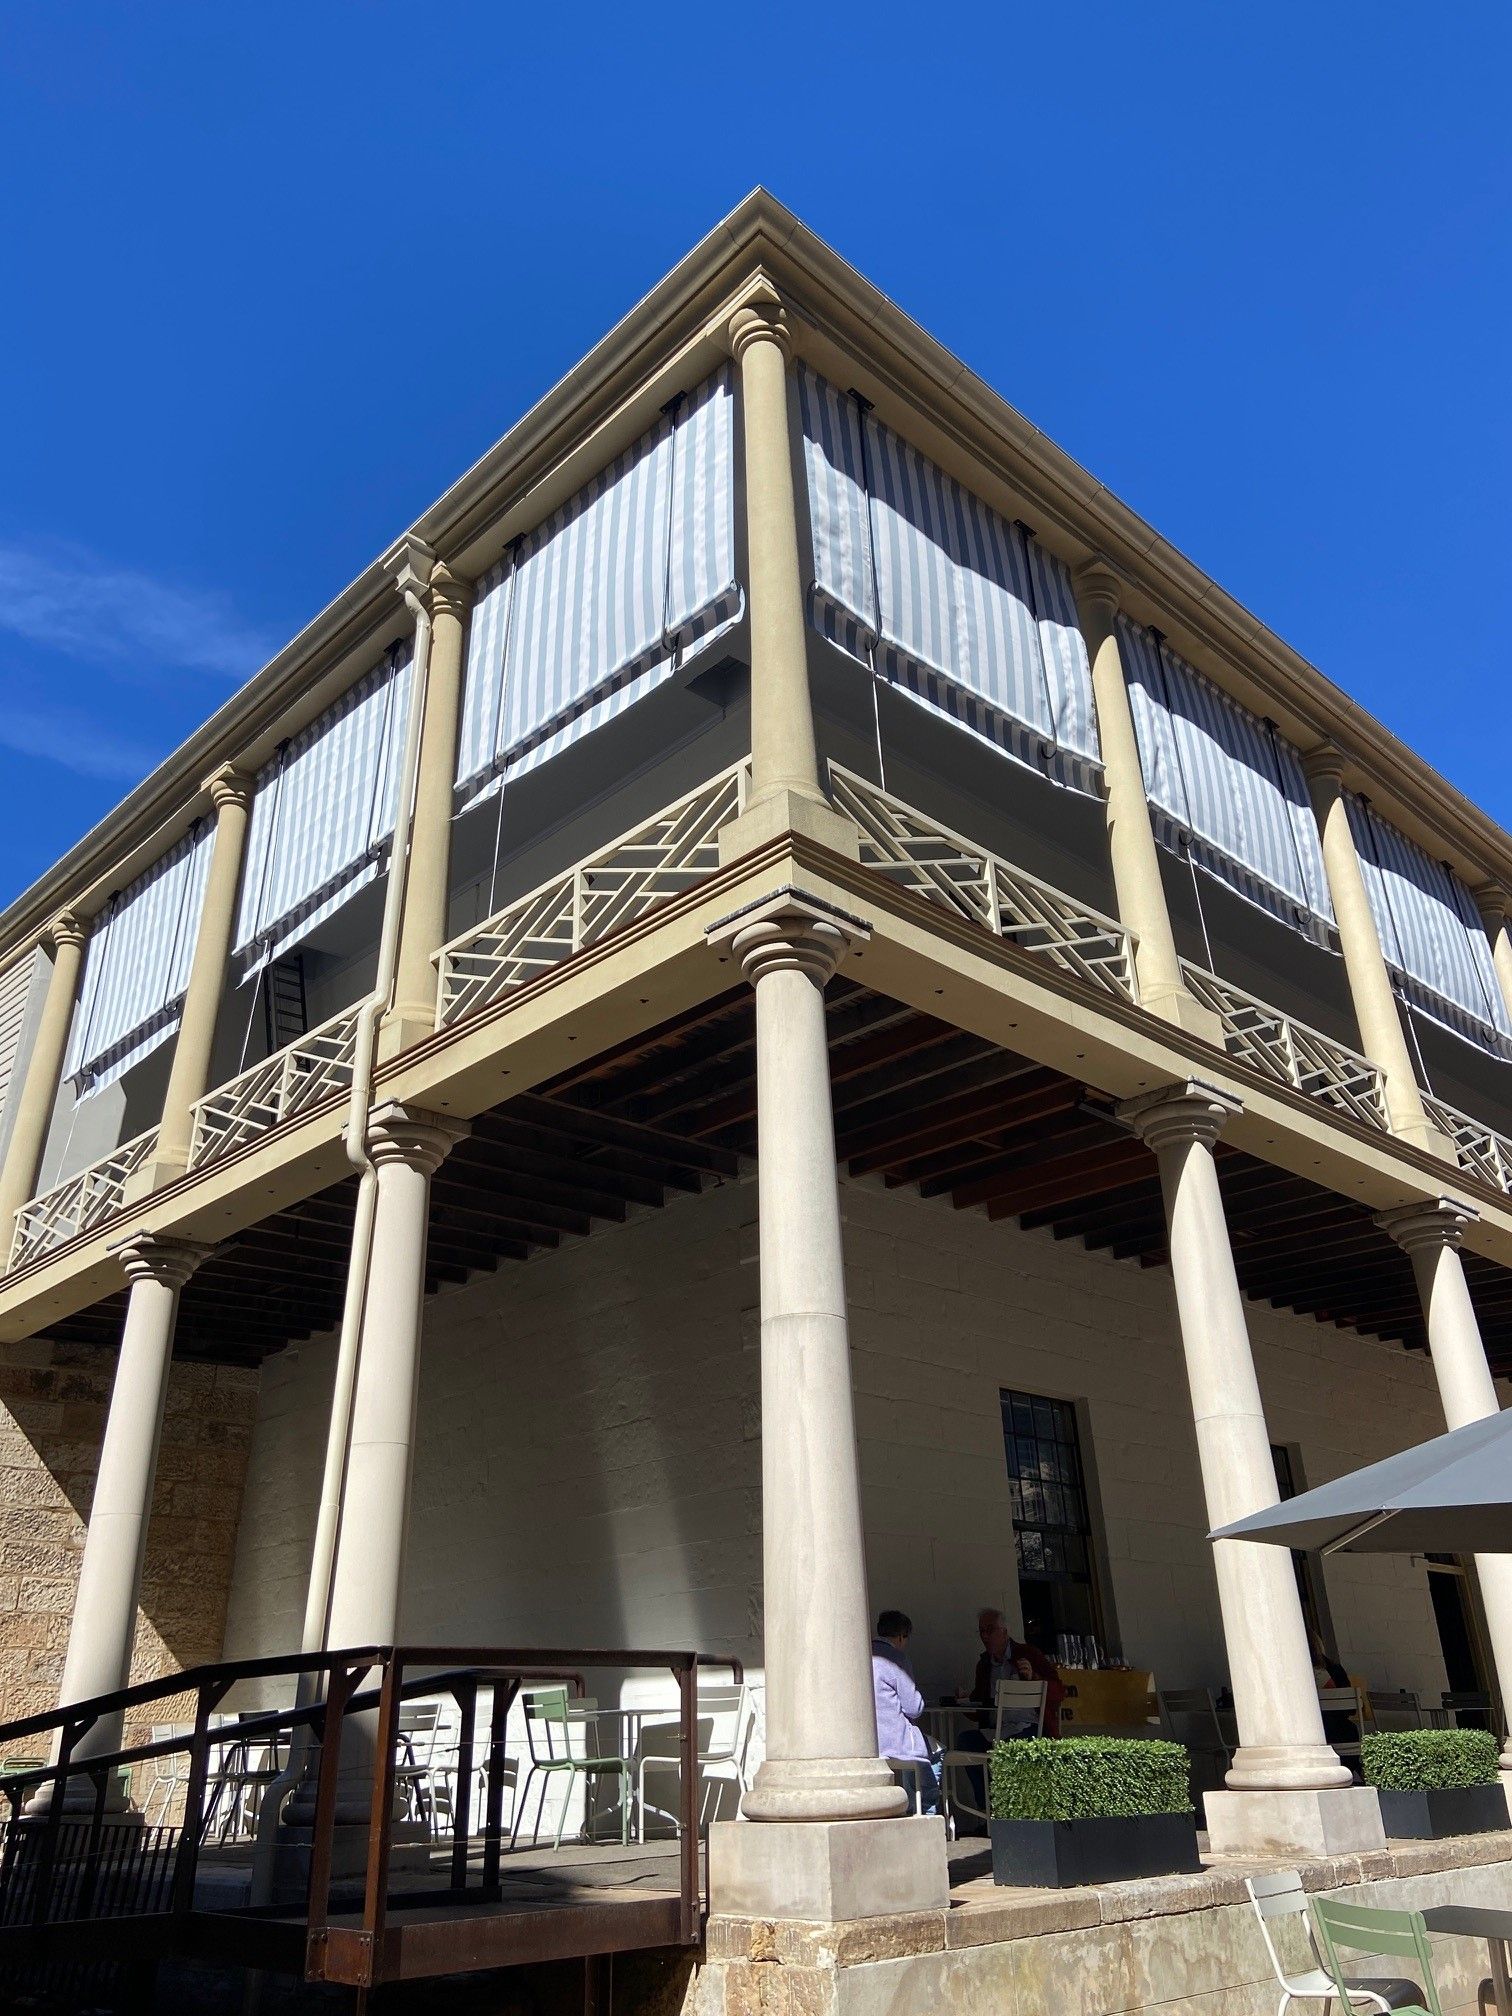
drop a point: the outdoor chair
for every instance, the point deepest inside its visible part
(909, 1771)
(413, 1779)
(1360, 1928)
(1348, 1701)
(1471, 1711)
(551, 1727)
(720, 1719)
(170, 1774)
(1189, 1716)
(1396, 1708)
(1278, 1897)
(1020, 1710)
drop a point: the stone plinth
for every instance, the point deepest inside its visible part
(827, 1871)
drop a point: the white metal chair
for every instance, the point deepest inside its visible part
(1278, 1896)
(169, 1775)
(1395, 1708)
(722, 1727)
(1019, 1711)
(413, 1773)
(1189, 1716)
(1348, 1701)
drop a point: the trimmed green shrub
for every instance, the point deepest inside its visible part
(1088, 1777)
(1429, 1760)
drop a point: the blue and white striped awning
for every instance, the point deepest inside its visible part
(607, 599)
(1431, 933)
(1225, 789)
(324, 814)
(937, 592)
(136, 965)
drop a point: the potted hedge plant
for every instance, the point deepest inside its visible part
(1434, 1782)
(1090, 1809)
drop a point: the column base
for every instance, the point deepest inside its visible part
(406, 1024)
(810, 1789)
(784, 812)
(1342, 1820)
(1292, 1767)
(827, 1871)
(1176, 1005)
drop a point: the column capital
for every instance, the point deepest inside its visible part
(1492, 900)
(1173, 1116)
(1324, 764)
(789, 932)
(1430, 1223)
(411, 1135)
(229, 786)
(67, 928)
(1098, 588)
(763, 320)
(409, 563)
(150, 1256)
(450, 594)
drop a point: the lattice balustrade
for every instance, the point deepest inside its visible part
(610, 890)
(1291, 1052)
(919, 854)
(1479, 1149)
(81, 1203)
(304, 1074)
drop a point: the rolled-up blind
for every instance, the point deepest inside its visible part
(599, 605)
(940, 594)
(1431, 933)
(136, 965)
(324, 813)
(15, 993)
(1224, 787)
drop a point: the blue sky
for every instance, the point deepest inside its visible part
(277, 275)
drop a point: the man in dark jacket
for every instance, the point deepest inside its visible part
(1004, 1658)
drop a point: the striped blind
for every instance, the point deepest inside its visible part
(940, 594)
(323, 814)
(15, 991)
(136, 965)
(599, 606)
(1431, 933)
(1224, 787)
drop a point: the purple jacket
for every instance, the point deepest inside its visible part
(899, 1704)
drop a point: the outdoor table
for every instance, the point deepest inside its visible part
(1480, 1921)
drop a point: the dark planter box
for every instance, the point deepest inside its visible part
(1452, 1809)
(1057, 1854)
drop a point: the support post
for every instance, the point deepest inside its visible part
(65, 938)
(103, 1631)
(1430, 1234)
(1288, 1791)
(829, 1843)
(786, 792)
(423, 929)
(1380, 1025)
(189, 1078)
(1493, 904)
(1142, 906)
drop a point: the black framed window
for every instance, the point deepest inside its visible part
(1052, 1522)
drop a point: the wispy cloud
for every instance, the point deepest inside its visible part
(79, 742)
(73, 602)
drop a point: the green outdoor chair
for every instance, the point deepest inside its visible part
(1359, 1928)
(550, 1728)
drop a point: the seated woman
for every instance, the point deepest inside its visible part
(899, 1706)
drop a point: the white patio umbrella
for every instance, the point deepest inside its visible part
(1452, 1495)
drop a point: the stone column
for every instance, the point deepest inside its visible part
(103, 1630)
(189, 1079)
(408, 1148)
(1142, 906)
(786, 792)
(427, 890)
(1289, 1792)
(1430, 1234)
(821, 1766)
(64, 938)
(1493, 904)
(1381, 1035)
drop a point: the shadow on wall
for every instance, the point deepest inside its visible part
(53, 1401)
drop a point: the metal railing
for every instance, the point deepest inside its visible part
(306, 1073)
(1479, 1149)
(79, 1204)
(610, 890)
(1291, 1052)
(64, 1864)
(918, 853)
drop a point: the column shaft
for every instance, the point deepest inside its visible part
(1270, 1663)
(1493, 909)
(427, 892)
(1380, 1025)
(369, 1572)
(39, 1091)
(1135, 857)
(189, 1078)
(821, 1728)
